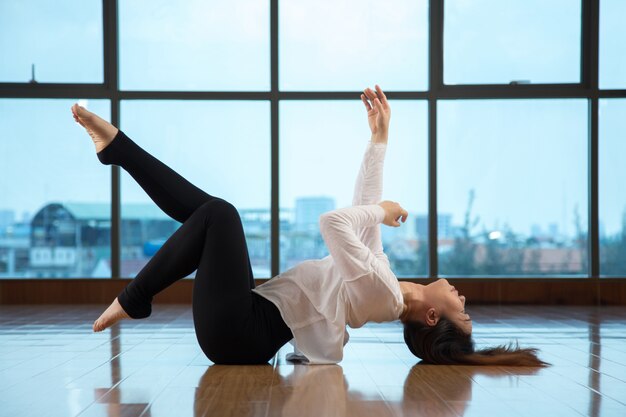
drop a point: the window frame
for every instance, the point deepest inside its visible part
(588, 89)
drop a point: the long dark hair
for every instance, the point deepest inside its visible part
(446, 344)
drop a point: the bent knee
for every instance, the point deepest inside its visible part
(220, 208)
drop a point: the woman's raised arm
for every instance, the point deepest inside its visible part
(368, 188)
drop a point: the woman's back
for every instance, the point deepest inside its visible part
(318, 298)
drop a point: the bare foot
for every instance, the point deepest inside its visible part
(101, 131)
(111, 315)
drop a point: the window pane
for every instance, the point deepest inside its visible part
(61, 39)
(194, 45)
(496, 42)
(612, 45)
(512, 178)
(335, 45)
(611, 192)
(221, 147)
(55, 209)
(321, 148)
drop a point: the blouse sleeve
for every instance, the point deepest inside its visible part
(368, 189)
(350, 254)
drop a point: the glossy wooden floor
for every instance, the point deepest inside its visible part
(51, 364)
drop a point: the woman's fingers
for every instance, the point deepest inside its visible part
(403, 216)
(397, 222)
(393, 213)
(367, 104)
(371, 95)
(381, 95)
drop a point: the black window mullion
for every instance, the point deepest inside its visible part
(45, 90)
(593, 239)
(274, 97)
(111, 85)
(591, 38)
(589, 44)
(509, 91)
(435, 81)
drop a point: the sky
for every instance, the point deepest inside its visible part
(525, 159)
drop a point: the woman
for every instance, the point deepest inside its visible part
(309, 304)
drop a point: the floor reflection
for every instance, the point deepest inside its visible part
(324, 390)
(162, 372)
(111, 398)
(317, 391)
(595, 346)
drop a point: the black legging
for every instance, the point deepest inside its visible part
(233, 324)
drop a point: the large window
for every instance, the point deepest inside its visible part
(321, 149)
(612, 196)
(512, 187)
(55, 196)
(505, 142)
(51, 41)
(205, 142)
(194, 45)
(524, 41)
(612, 45)
(346, 45)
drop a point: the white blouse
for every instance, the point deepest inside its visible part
(352, 285)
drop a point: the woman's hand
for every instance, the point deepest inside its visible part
(393, 212)
(378, 113)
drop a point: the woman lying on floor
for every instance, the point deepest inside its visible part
(310, 304)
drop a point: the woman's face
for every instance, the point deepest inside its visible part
(449, 303)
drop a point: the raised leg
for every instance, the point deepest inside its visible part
(176, 196)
